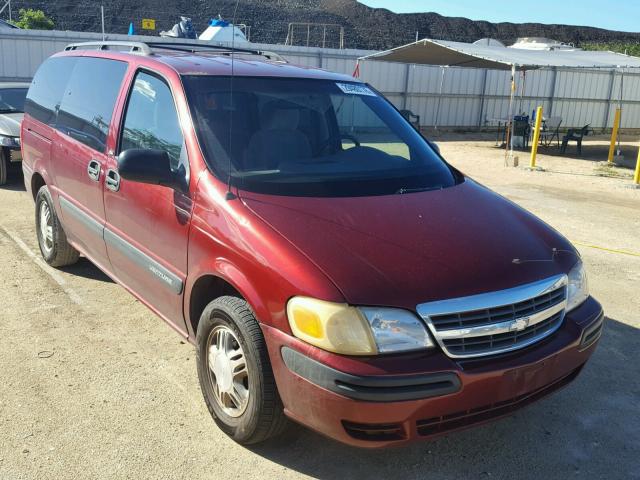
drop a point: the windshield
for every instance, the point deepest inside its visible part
(12, 99)
(305, 137)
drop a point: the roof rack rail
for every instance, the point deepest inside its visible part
(145, 48)
(133, 47)
(197, 47)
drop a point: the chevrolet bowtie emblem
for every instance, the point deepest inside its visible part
(519, 324)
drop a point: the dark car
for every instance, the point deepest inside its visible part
(12, 96)
(327, 263)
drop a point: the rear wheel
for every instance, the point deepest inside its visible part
(235, 373)
(52, 240)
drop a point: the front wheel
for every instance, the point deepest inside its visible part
(235, 373)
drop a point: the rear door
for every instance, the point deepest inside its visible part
(80, 150)
(147, 226)
(41, 110)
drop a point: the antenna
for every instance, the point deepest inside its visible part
(229, 195)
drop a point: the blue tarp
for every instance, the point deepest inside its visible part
(215, 22)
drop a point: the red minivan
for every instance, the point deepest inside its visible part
(327, 263)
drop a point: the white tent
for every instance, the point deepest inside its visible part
(221, 31)
(445, 53)
(497, 57)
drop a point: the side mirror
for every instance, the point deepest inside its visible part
(149, 166)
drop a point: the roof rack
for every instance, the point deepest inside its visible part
(132, 47)
(197, 47)
(145, 48)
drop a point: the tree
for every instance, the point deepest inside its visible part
(630, 48)
(34, 20)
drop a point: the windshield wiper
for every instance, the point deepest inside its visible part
(419, 189)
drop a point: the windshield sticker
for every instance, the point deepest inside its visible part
(356, 89)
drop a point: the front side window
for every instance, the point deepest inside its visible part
(89, 100)
(12, 100)
(151, 119)
(306, 137)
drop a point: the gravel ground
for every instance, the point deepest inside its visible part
(93, 385)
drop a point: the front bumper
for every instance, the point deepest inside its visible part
(389, 400)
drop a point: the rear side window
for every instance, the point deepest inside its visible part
(47, 88)
(151, 120)
(89, 99)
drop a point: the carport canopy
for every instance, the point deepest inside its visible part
(445, 53)
(458, 54)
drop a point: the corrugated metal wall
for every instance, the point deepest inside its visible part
(470, 98)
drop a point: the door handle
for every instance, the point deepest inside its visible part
(93, 170)
(112, 180)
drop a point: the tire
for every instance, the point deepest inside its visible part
(4, 166)
(54, 247)
(263, 415)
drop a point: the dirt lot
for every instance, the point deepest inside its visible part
(93, 385)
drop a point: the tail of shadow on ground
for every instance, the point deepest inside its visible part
(84, 268)
(590, 428)
(595, 148)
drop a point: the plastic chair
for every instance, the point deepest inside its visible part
(411, 117)
(551, 131)
(575, 135)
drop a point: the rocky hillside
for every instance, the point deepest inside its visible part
(365, 27)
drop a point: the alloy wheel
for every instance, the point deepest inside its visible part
(228, 371)
(46, 227)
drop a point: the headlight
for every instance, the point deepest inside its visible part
(578, 287)
(340, 328)
(10, 141)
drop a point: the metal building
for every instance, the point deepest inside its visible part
(469, 96)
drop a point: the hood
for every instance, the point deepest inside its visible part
(402, 250)
(10, 124)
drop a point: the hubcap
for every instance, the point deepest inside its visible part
(228, 371)
(46, 227)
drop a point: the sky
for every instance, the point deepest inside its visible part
(623, 15)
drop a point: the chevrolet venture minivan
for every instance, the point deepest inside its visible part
(328, 264)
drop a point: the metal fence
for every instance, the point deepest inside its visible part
(449, 97)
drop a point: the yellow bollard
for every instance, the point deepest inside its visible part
(536, 137)
(614, 135)
(636, 176)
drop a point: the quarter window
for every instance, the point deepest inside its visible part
(151, 119)
(47, 88)
(87, 105)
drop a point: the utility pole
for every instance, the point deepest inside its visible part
(102, 16)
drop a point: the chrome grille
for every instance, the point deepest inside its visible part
(475, 345)
(497, 322)
(488, 316)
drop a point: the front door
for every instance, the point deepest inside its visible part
(147, 226)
